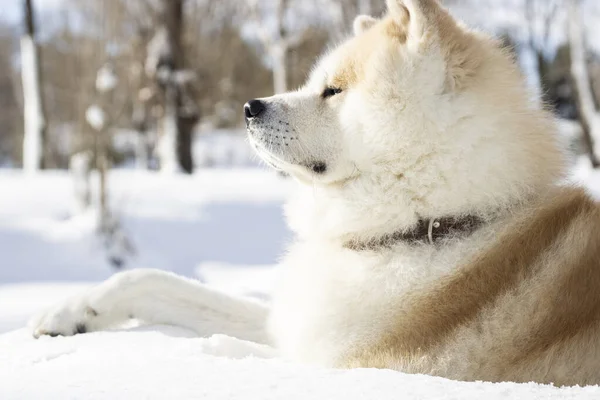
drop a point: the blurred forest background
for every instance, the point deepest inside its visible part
(136, 82)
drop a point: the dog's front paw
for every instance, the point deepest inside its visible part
(70, 318)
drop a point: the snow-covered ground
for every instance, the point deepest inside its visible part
(221, 226)
(199, 226)
(152, 364)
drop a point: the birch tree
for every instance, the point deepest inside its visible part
(33, 106)
(584, 97)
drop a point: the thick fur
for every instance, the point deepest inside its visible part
(428, 119)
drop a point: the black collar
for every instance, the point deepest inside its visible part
(425, 231)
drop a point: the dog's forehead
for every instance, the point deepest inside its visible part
(323, 69)
(342, 65)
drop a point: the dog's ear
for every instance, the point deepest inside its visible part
(419, 22)
(362, 23)
(413, 17)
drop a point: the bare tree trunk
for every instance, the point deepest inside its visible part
(140, 124)
(277, 46)
(168, 130)
(176, 125)
(34, 121)
(80, 166)
(140, 117)
(279, 55)
(174, 23)
(584, 98)
(280, 49)
(102, 167)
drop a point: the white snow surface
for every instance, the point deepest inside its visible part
(161, 364)
(223, 227)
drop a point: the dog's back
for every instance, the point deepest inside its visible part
(524, 308)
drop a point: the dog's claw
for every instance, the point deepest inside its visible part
(80, 328)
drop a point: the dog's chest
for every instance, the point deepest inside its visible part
(330, 300)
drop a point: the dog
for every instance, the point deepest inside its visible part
(436, 231)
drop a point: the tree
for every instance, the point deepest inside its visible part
(117, 245)
(540, 16)
(33, 105)
(166, 65)
(281, 36)
(11, 146)
(344, 12)
(140, 117)
(584, 97)
(279, 44)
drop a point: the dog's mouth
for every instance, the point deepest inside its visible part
(279, 162)
(265, 155)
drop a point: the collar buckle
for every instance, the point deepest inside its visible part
(433, 224)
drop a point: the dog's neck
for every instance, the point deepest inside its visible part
(426, 231)
(369, 217)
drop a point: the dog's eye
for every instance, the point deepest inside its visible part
(330, 91)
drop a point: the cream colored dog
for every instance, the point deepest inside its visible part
(433, 235)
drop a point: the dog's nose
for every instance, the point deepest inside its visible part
(254, 108)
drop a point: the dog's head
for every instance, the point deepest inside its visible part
(417, 102)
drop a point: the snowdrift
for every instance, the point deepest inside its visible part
(166, 363)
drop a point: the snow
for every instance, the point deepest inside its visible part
(222, 148)
(106, 79)
(20, 301)
(158, 50)
(210, 148)
(95, 116)
(161, 364)
(223, 227)
(214, 221)
(176, 222)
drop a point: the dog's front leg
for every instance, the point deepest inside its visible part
(155, 297)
